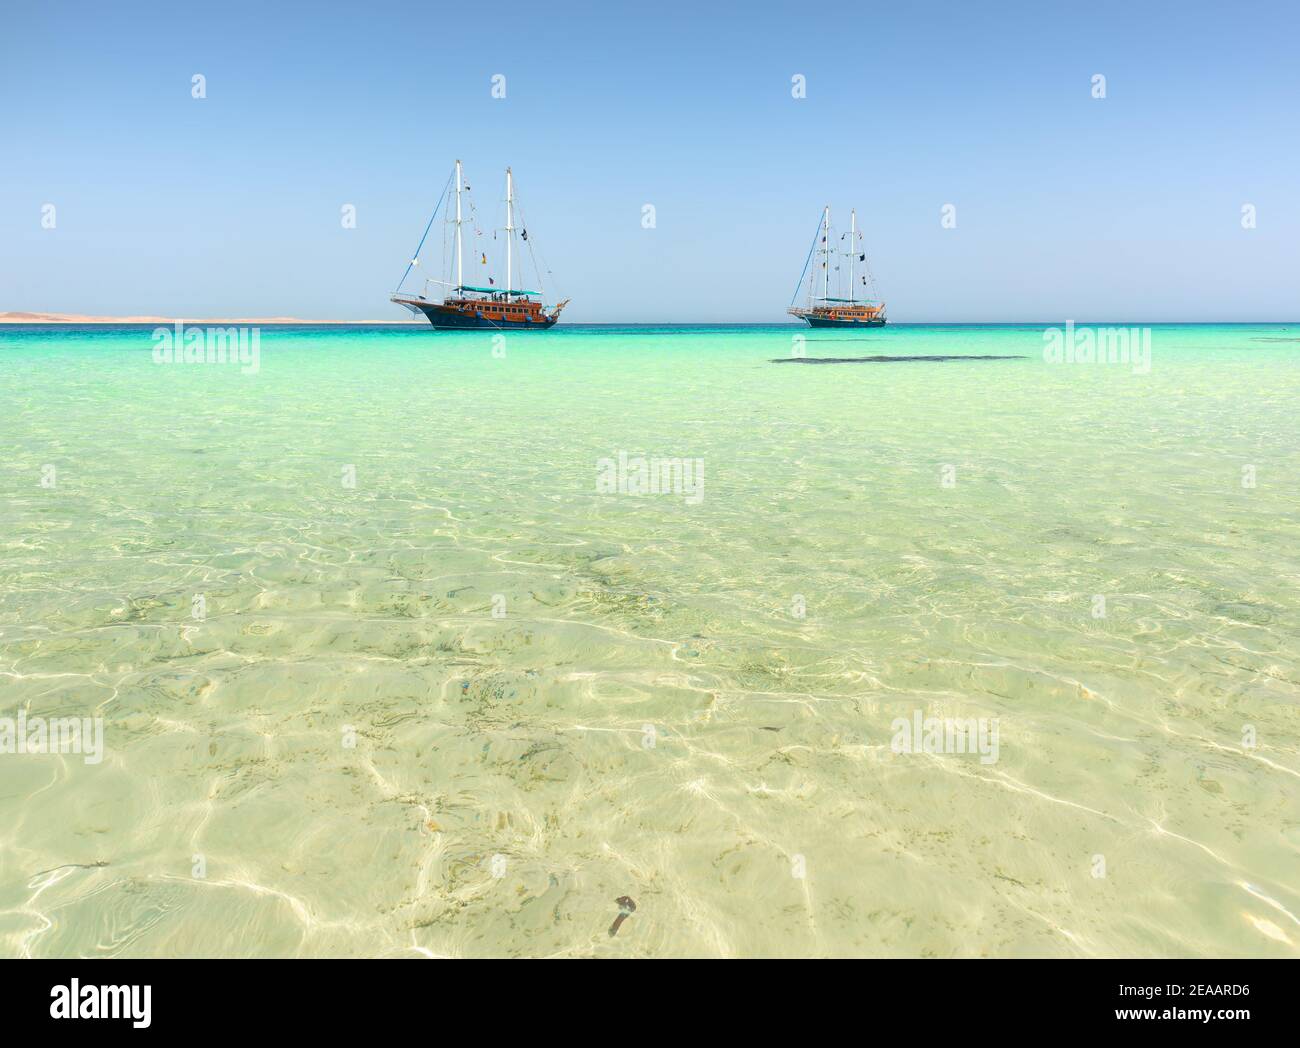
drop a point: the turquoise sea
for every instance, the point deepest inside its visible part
(391, 658)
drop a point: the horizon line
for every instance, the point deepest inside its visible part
(23, 318)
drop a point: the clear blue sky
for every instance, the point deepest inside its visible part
(1128, 208)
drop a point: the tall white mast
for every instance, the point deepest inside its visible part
(826, 251)
(510, 229)
(853, 247)
(460, 279)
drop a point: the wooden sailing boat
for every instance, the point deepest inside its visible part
(855, 310)
(475, 306)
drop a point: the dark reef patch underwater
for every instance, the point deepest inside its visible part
(886, 360)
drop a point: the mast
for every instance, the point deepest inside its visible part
(510, 229)
(853, 248)
(460, 279)
(826, 252)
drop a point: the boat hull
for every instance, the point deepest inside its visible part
(827, 322)
(450, 319)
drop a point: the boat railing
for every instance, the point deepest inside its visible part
(844, 307)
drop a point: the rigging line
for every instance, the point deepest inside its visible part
(537, 272)
(411, 264)
(532, 254)
(806, 261)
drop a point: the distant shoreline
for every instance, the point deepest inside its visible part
(17, 317)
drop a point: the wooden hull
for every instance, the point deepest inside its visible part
(841, 316)
(829, 322)
(485, 315)
(457, 320)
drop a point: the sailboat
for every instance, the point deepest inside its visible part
(472, 305)
(855, 310)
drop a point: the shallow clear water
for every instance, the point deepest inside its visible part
(348, 753)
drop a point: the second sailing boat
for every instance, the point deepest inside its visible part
(474, 306)
(854, 310)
